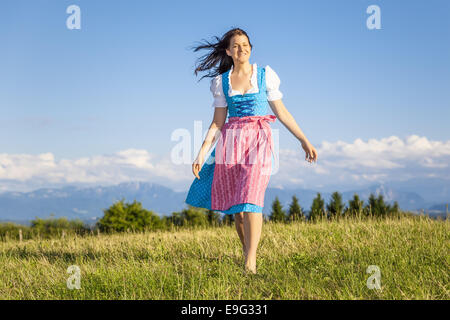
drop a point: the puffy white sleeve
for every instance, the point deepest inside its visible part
(272, 85)
(216, 89)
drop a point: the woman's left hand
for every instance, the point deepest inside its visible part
(311, 153)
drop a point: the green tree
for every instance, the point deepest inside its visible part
(193, 216)
(295, 210)
(371, 207)
(228, 219)
(383, 208)
(11, 230)
(52, 226)
(169, 222)
(394, 210)
(123, 216)
(277, 213)
(355, 206)
(336, 207)
(317, 208)
(213, 218)
(176, 219)
(376, 206)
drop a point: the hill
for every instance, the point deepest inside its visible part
(87, 203)
(325, 260)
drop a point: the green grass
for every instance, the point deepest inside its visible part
(325, 260)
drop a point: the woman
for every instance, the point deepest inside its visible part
(234, 178)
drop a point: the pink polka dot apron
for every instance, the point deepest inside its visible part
(243, 162)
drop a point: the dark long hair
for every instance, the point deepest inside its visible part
(218, 55)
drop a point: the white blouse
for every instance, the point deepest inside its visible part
(272, 87)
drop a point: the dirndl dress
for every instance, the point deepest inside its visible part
(235, 176)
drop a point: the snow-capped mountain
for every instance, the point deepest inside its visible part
(89, 202)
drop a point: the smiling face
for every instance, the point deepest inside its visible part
(239, 49)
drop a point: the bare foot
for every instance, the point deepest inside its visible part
(250, 268)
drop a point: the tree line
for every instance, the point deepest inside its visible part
(133, 217)
(375, 207)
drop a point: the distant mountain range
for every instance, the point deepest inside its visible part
(88, 203)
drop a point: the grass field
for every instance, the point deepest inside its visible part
(325, 260)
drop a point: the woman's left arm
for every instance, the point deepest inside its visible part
(289, 122)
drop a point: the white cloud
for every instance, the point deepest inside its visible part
(360, 162)
(354, 163)
(24, 171)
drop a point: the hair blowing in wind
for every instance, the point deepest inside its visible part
(217, 59)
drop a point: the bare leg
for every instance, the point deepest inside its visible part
(239, 222)
(253, 222)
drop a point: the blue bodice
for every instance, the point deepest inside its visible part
(248, 104)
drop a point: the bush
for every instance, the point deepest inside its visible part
(123, 216)
(51, 227)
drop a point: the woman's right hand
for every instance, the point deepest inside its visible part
(197, 166)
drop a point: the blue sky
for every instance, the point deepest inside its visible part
(125, 80)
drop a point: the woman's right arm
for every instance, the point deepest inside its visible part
(220, 116)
